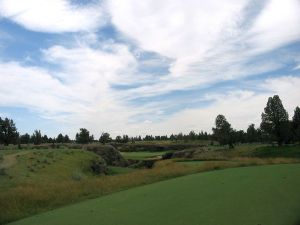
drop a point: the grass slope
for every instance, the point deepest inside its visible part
(281, 151)
(9, 160)
(267, 195)
(44, 166)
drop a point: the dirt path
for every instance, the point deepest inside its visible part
(10, 160)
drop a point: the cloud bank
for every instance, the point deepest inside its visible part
(53, 16)
(203, 58)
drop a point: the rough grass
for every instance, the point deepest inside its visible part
(115, 170)
(245, 196)
(158, 146)
(244, 150)
(33, 197)
(217, 152)
(142, 155)
(167, 142)
(47, 166)
(280, 151)
(27, 199)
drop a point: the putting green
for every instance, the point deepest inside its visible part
(266, 195)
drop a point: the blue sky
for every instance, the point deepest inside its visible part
(145, 67)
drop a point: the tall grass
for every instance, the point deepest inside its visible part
(28, 199)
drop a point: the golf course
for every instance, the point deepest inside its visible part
(149, 112)
(266, 195)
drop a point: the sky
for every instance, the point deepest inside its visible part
(146, 67)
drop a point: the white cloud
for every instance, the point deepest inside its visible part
(288, 89)
(32, 87)
(193, 28)
(84, 98)
(204, 40)
(241, 108)
(175, 28)
(79, 93)
(277, 25)
(53, 16)
(297, 67)
(207, 39)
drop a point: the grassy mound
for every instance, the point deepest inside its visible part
(46, 166)
(266, 195)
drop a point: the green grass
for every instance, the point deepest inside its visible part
(30, 198)
(198, 162)
(6, 152)
(115, 170)
(282, 151)
(46, 179)
(245, 150)
(168, 142)
(267, 195)
(40, 166)
(142, 155)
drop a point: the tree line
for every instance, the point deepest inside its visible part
(38, 138)
(275, 127)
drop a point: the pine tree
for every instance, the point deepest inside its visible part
(275, 120)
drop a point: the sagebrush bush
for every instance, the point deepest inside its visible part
(98, 167)
(2, 172)
(110, 154)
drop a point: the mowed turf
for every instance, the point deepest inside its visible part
(266, 195)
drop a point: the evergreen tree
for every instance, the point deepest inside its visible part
(125, 139)
(192, 135)
(296, 124)
(36, 137)
(91, 138)
(45, 139)
(66, 139)
(253, 134)
(119, 139)
(25, 139)
(223, 133)
(83, 137)
(8, 132)
(60, 138)
(104, 138)
(275, 120)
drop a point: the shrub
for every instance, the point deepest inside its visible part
(2, 172)
(99, 167)
(154, 147)
(111, 155)
(76, 176)
(167, 155)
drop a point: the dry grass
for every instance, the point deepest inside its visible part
(28, 199)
